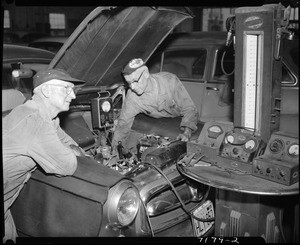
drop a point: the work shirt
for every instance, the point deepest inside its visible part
(31, 137)
(168, 98)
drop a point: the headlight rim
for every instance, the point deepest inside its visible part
(116, 195)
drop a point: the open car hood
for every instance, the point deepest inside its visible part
(110, 36)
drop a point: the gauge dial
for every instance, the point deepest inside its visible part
(293, 150)
(214, 131)
(230, 139)
(106, 106)
(276, 146)
(250, 144)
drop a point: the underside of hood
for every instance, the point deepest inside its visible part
(110, 36)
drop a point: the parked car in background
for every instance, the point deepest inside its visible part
(206, 67)
(10, 37)
(21, 37)
(15, 90)
(31, 36)
(140, 195)
(52, 44)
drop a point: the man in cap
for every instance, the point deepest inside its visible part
(157, 95)
(32, 135)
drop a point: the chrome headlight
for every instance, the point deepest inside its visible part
(124, 205)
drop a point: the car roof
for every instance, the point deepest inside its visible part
(58, 39)
(188, 39)
(11, 51)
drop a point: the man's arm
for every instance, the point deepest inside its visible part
(53, 155)
(189, 111)
(125, 121)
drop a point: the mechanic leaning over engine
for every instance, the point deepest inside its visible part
(32, 135)
(157, 95)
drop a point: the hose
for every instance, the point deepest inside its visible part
(178, 197)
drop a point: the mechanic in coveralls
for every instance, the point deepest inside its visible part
(32, 135)
(157, 95)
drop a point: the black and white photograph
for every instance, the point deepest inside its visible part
(146, 124)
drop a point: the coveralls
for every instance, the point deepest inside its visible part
(31, 137)
(168, 98)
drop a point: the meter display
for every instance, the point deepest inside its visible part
(293, 150)
(250, 145)
(280, 161)
(257, 75)
(214, 131)
(229, 139)
(251, 92)
(240, 145)
(106, 106)
(102, 112)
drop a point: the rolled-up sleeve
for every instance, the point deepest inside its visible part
(188, 109)
(52, 154)
(125, 121)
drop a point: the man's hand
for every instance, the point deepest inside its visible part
(186, 135)
(78, 151)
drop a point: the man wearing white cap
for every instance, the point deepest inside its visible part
(157, 95)
(32, 135)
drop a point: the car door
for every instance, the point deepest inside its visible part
(199, 70)
(217, 102)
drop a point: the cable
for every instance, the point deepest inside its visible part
(222, 65)
(178, 197)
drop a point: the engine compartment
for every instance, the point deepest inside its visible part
(96, 144)
(92, 119)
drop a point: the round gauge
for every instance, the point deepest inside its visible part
(293, 150)
(276, 146)
(250, 144)
(230, 138)
(214, 131)
(106, 106)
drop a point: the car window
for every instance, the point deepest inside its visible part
(183, 63)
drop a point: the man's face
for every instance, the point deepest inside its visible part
(62, 94)
(137, 81)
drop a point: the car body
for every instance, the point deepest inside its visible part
(52, 44)
(105, 196)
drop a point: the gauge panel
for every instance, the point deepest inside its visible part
(240, 146)
(280, 161)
